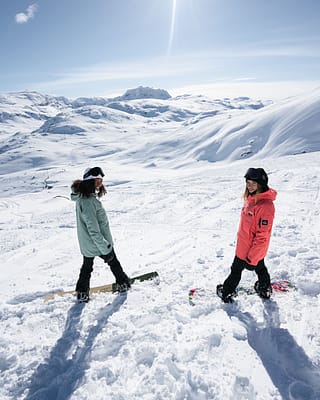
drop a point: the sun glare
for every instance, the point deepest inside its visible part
(173, 19)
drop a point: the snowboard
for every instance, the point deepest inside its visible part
(281, 286)
(109, 288)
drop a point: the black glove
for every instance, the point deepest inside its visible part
(108, 257)
(248, 261)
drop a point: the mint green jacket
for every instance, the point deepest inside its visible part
(93, 229)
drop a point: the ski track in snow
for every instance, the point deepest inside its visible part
(151, 344)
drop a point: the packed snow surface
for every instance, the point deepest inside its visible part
(174, 174)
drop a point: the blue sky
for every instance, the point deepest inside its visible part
(222, 48)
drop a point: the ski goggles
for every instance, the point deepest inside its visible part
(93, 173)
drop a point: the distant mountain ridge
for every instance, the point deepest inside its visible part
(149, 126)
(30, 100)
(142, 92)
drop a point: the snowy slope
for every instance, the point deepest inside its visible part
(45, 128)
(154, 131)
(151, 344)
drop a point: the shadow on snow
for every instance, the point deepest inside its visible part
(289, 368)
(60, 375)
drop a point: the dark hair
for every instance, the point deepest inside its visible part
(87, 188)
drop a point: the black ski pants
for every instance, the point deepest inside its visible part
(83, 283)
(237, 267)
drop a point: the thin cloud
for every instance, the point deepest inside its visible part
(22, 18)
(258, 51)
(245, 79)
(105, 73)
(193, 66)
(275, 90)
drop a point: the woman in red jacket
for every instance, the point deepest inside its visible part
(253, 236)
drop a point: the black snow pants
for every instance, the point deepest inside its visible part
(237, 267)
(83, 283)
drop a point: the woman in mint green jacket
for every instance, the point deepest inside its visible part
(93, 230)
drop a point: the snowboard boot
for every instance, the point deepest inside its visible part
(122, 288)
(122, 280)
(264, 290)
(226, 298)
(83, 297)
(123, 284)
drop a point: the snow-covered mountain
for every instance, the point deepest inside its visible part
(146, 125)
(174, 173)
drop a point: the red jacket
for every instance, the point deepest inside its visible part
(255, 227)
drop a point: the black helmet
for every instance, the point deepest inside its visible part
(258, 175)
(93, 173)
